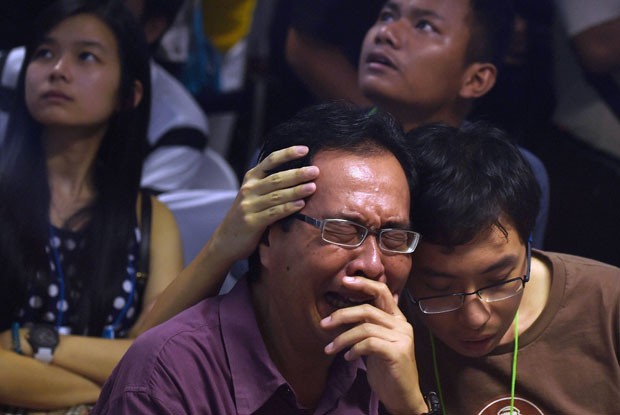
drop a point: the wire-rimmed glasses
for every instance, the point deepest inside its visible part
(496, 292)
(350, 234)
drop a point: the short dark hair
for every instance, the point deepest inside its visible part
(491, 29)
(342, 126)
(469, 178)
(338, 126)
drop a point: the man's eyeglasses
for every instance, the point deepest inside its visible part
(501, 291)
(347, 233)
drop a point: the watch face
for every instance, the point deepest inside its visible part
(43, 336)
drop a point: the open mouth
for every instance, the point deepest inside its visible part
(379, 58)
(339, 301)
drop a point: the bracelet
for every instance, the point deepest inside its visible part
(432, 401)
(17, 347)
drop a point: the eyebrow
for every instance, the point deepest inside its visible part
(391, 5)
(393, 224)
(417, 13)
(397, 225)
(80, 43)
(91, 43)
(433, 273)
(503, 263)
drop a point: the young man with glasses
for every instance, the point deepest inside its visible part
(501, 328)
(327, 276)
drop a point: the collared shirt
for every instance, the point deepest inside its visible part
(212, 359)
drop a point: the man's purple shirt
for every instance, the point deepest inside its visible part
(211, 359)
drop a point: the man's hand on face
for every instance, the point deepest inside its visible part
(381, 333)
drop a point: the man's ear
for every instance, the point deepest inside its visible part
(479, 78)
(138, 91)
(263, 248)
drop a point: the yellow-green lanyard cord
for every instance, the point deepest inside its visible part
(513, 378)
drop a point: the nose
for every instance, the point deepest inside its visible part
(388, 33)
(475, 313)
(61, 69)
(368, 260)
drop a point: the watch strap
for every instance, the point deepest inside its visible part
(43, 351)
(44, 354)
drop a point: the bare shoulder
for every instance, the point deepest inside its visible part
(161, 212)
(166, 253)
(161, 215)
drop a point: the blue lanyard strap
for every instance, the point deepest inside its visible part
(109, 330)
(60, 276)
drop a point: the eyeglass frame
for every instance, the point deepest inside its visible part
(320, 224)
(524, 279)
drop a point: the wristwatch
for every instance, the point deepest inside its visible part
(43, 339)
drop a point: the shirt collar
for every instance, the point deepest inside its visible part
(247, 353)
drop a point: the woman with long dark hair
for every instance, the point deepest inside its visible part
(71, 265)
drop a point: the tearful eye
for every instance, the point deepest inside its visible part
(394, 239)
(342, 232)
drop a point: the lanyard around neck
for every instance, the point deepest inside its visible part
(60, 276)
(108, 330)
(513, 377)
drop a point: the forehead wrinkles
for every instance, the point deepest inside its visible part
(360, 185)
(372, 172)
